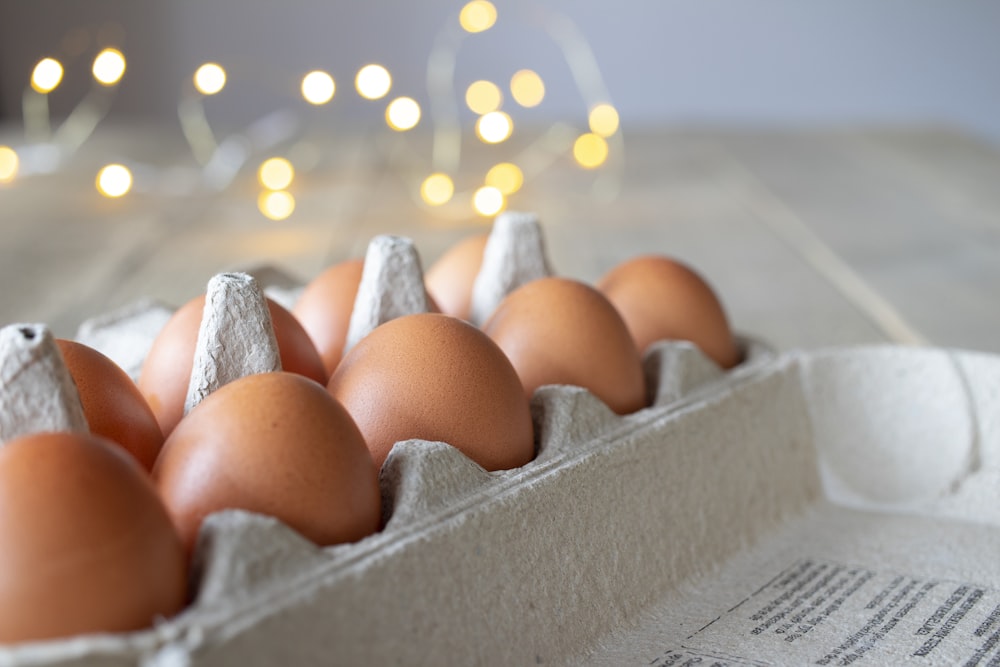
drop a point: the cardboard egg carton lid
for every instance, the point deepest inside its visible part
(837, 505)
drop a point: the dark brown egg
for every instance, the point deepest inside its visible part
(435, 377)
(562, 331)
(87, 544)
(449, 280)
(324, 308)
(277, 444)
(112, 403)
(166, 372)
(663, 299)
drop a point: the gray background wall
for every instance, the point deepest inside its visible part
(708, 61)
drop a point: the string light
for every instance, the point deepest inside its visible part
(590, 150)
(477, 16)
(46, 75)
(402, 114)
(114, 180)
(494, 127)
(9, 164)
(505, 177)
(437, 189)
(318, 87)
(373, 82)
(603, 120)
(276, 205)
(109, 67)
(527, 88)
(488, 201)
(209, 79)
(483, 97)
(275, 173)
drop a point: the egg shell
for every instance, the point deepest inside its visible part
(88, 545)
(112, 403)
(276, 444)
(324, 309)
(562, 331)
(436, 377)
(662, 298)
(450, 279)
(166, 371)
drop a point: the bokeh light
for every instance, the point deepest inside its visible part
(318, 87)
(505, 177)
(109, 67)
(477, 16)
(276, 173)
(488, 201)
(437, 189)
(276, 205)
(46, 75)
(403, 113)
(603, 120)
(494, 127)
(9, 164)
(373, 82)
(209, 79)
(483, 97)
(527, 88)
(114, 180)
(590, 150)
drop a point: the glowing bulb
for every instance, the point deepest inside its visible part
(403, 113)
(437, 189)
(276, 205)
(209, 79)
(46, 75)
(483, 97)
(477, 16)
(527, 88)
(488, 200)
(494, 127)
(275, 173)
(109, 67)
(318, 87)
(114, 180)
(603, 120)
(373, 82)
(9, 164)
(505, 177)
(590, 150)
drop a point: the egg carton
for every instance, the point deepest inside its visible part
(648, 538)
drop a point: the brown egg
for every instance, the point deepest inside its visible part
(660, 298)
(166, 371)
(449, 280)
(562, 331)
(112, 403)
(324, 309)
(87, 543)
(276, 444)
(435, 377)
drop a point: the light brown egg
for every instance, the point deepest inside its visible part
(87, 544)
(324, 309)
(661, 298)
(449, 280)
(562, 331)
(112, 403)
(166, 371)
(277, 444)
(435, 377)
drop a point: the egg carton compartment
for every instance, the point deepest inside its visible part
(625, 535)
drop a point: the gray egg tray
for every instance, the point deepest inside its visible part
(629, 539)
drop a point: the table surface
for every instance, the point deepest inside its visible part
(811, 238)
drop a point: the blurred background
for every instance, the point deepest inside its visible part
(830, 166)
